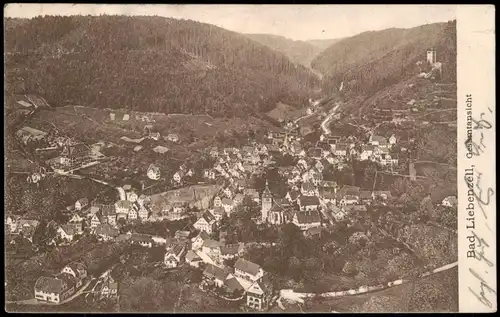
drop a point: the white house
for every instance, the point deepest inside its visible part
(132, 214)
(178, 176)
(205, 223)
(217, 201)
(76, 270)
(450, 201)
(81, 203)
(392, 140)
(66, 232)
(54, 289)
(173, 137)
(228, 192)
(197, 242)
(153, 172)
(143, 212)
(175, 256)
(132, 196)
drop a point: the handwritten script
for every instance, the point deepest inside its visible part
(480, 149)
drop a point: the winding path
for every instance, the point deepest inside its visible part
(324, 123)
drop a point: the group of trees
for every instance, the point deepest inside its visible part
(98, 58)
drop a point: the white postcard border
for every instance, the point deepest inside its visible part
(476, 158)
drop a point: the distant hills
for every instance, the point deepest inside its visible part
(371, 61)
(151, 64)
(157, 64)
(300, 52)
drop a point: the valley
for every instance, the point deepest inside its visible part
(184, 166)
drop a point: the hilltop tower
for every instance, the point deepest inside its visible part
(431, 56)
(267, 202)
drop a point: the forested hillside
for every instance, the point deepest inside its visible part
(299, 52)
(373, 60)
(151, 64)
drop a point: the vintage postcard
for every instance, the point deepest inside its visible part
(249, 158)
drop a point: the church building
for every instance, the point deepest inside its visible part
(271, 210)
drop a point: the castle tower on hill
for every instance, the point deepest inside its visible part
(267, 203)
(431, 56)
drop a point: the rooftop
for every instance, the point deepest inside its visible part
(308, 200)
(247, 266)
(308, 217)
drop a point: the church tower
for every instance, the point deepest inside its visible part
(267, 203)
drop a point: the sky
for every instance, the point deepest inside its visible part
(298, 22)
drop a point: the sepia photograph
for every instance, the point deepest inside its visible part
(231, 158)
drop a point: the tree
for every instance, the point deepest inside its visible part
(429, 296)
(39, 236)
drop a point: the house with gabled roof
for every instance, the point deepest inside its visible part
(308, 189)
(341, 149)
(252, 193)
(307, 219)
(247, 270)
(205, 223)
(259, 295)
(153, 172)
(109, 288)
(216, 275)
(327, 194)
(211, 247)
(175, 256)
(53, 289)
(338, 213)
(95, 220)
(66, 232)
(233, 286)
(377, 140)
(106, 232)
(78, 270)
(143, 212)
(178, 176)
(218, 213)
(230, 251)
(123, 206)
(193, 259)
(450, 201)
(144, 240)
(308, 202)
(197, 242)
(81, 203)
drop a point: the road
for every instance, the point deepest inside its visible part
(324, 124)
(294, 296)
(315, 103)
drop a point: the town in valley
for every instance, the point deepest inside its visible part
(341, 198)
